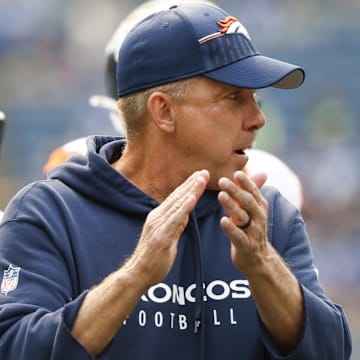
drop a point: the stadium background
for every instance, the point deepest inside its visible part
(52, 60)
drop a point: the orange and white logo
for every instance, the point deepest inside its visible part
(230, 25)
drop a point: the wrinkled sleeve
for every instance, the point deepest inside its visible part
(326, 332)
(39, 304)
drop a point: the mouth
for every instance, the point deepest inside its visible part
(240, 152)
(240, 156)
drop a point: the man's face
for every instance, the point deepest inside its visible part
(215, 124)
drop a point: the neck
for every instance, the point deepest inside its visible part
(149, 169)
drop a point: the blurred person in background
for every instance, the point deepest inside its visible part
(279, 174)
(185, 290)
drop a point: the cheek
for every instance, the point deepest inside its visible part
(207, 127)
(191, 121)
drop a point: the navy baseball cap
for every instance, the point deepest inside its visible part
(195, 39)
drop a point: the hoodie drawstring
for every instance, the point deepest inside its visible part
(199, 303)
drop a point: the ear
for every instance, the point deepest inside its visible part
(160, 107)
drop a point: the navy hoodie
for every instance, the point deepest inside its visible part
(63, 235)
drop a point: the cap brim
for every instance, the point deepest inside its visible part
(256, 72)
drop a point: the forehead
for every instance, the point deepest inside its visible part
(216, 87)
(203, 81)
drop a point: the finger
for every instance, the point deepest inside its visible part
(236, 235)
(238, 215)
(195, 184)
(185, 204)
(252, 187)
(183, 198)
(241, 196)
(182, 201)
(178, 219)
(259, 179)
(173, 219)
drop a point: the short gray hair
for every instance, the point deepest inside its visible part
(133, 106)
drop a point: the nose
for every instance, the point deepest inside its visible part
(255, 118)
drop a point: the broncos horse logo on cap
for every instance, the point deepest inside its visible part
(229, 25)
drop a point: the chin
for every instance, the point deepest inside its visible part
(216, 176)
(213, 186)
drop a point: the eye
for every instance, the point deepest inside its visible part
(241, 95)
(235, 95)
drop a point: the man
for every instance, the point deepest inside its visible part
(160, 247)
(278, 173)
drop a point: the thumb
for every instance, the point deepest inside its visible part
(259, 179)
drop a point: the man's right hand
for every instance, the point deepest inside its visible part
(157, 247)
(117, 295)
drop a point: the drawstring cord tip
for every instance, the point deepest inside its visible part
(197, 326)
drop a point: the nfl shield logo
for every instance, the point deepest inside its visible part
(10, 279)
